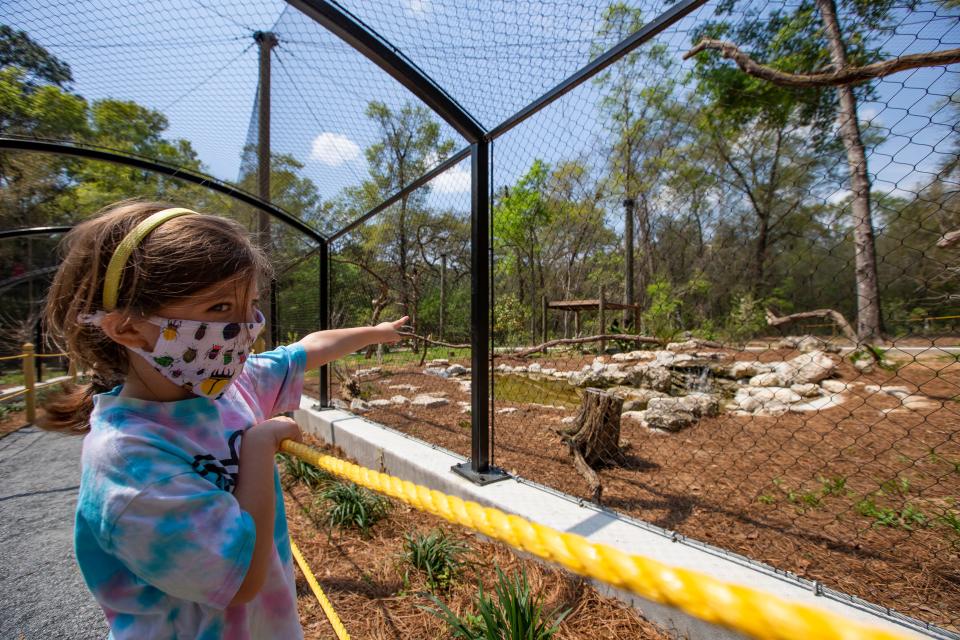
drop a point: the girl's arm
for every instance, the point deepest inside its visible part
(326, 346)
(254, 492)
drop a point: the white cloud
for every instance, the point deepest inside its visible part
(839, 196)
(418, 6)
(334, 149)
(455, 180)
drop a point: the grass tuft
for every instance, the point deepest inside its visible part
(514, 614)
(349, 505)
(436, 554)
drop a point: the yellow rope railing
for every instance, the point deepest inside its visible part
(737, 607)
(332, 616)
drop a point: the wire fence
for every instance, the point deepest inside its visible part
(724, 292)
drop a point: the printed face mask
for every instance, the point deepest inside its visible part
(202, 357)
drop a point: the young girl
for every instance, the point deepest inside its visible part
(180, 526)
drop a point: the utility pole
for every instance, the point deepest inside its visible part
(267, 41)
(628, 204)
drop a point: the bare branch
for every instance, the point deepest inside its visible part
(432, 341)
(607, 336)
(826, 314)
(949, 238)
(845, 76)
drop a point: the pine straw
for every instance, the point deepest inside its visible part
(363, 578)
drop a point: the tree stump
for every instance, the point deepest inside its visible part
(595, 436)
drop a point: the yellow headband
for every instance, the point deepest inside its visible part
(111, 281)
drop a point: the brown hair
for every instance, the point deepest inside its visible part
(180, 257)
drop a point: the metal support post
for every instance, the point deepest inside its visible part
(324, 318)
(478, 469)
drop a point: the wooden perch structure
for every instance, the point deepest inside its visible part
(598, 338)
(845, 76)
(595, 436)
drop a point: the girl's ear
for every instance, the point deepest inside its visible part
(128, 332)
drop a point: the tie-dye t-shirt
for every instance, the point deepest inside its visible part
(160, 539)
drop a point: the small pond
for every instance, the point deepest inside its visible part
(512, 387)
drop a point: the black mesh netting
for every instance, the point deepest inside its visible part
(730, 289)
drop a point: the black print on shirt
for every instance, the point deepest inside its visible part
(224, 471)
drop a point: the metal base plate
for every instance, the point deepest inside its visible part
(492, 474)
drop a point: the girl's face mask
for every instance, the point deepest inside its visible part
(202, 357)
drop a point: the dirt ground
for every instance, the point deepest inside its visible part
(363, 578)
(862, 496)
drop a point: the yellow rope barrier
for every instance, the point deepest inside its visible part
(332, 616)
(12, 395)
(49, 355)
(16, 357)
(740, 608)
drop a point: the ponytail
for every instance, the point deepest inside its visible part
(68, 412)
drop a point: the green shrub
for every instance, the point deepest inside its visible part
(747, 319)
(438, 555)
(349, 505)
(515, 614)
(662, 316)
(296, 470)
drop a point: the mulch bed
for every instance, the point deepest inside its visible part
(363, 578)
(13, 421)
(742, 482)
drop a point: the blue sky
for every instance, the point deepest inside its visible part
(195, 61)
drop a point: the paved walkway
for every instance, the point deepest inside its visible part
(42, 594)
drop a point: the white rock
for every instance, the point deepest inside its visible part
(749, 403)
(426, 400)
(404, 387)
(337, 403)
(633, 355)
(571, 420)
(834, 386)
(772, 408)
(359, 406)
(464, 407)
(918, 403)
(439, 362)
(808, 367)
(560, 375)
(536, 367)
(863, 365)
(380, 402)
(398, 399)
(808, 390)
(367, 373)
(456, 370)
(747, 369)
(635, 417)
(507, 410)
(767, 380)
(547, 371)
(768, 394)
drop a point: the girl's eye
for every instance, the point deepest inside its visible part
(220, 307)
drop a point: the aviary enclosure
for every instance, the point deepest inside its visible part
(694, 261)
